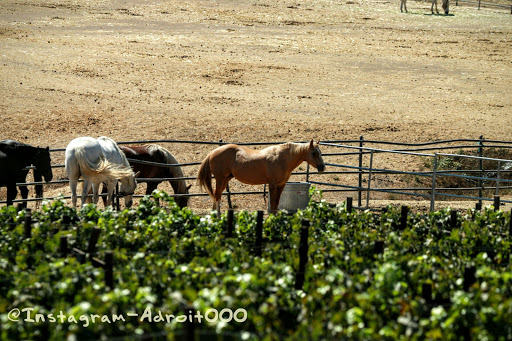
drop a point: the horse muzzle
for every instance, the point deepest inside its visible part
(320, 168)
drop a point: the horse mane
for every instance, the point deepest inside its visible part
(296, 148)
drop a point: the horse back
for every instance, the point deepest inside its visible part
(14, 156)
(144, 153)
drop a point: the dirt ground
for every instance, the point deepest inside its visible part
(250, 71)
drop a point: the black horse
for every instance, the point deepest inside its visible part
(14, 157)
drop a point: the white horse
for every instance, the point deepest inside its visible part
(446, 6)
(99, 160)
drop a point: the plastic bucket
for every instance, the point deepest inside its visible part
(295, 197)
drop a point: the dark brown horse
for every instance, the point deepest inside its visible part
(14, 157)
(273, 165)
(157, 154)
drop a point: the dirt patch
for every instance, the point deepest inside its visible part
(249, 71)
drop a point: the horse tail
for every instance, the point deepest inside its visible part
(204, 177)
(87, 167)
(101, 171)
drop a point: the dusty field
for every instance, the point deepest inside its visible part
(250, 70)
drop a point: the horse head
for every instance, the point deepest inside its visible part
(127, 188)
(314, 156)
(183, 201)
(43, 163)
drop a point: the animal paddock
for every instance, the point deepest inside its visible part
(496, 4)
(358, 169)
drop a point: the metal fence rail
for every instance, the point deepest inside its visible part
(346, 158)
(485, 4)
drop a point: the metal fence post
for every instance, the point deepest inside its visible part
(360, 176)
(28, 223)
(498, 179)
(369, 181)
(481, 167)
(433, 193)
(117, 198)
(230, 204)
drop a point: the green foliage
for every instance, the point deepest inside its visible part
(169, 259)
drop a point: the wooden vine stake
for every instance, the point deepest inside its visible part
(426, 292)
(93, 240)
(453, 219)
(469, 277)
(109, 272)
(403, 217)
(63, 246)
(259, 234)
(229, 228)
(349, 204)
(497, 203)
(28, 223)
(303, 254)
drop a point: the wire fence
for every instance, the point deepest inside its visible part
(506, 4)
(495, 4)
(479, 170)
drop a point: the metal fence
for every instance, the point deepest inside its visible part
(499, 4)
(355, 166)
(506, 4)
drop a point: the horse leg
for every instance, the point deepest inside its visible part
(39, 188)
(72, 184)
(11, 192)
(24, 195)
(220, 186)
(73, 172)
(23, 189)
(434, 2)
(111, 187)
(404, 4)
(275, 192)
(85, 190)
(151, 186)
(95, 192)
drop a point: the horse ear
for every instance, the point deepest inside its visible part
(318, 142)
(188, 187)
(311, 144)
(136, 174)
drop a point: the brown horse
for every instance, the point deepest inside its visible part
(273, 165)
(156, 153)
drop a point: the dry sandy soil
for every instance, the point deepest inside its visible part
(249, 71)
